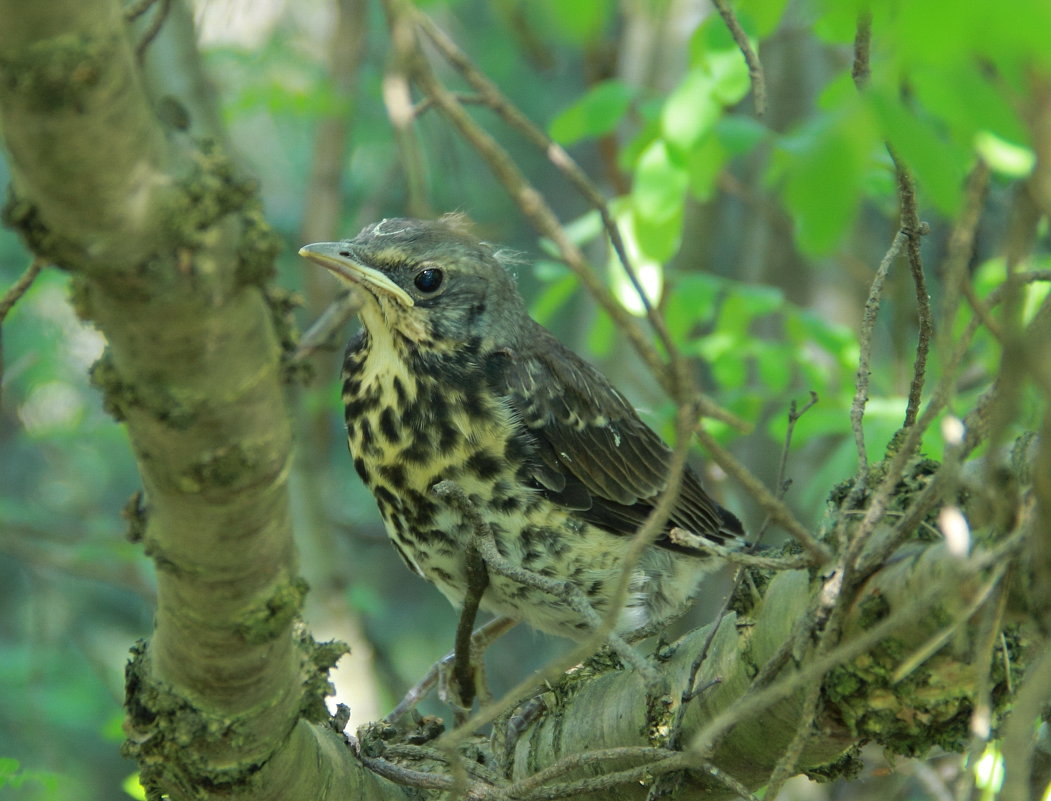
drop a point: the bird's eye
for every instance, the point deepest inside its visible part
(429, 280)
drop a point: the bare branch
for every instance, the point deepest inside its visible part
(868, 325)
(860, 70)
(755, 67)
(776, 508)
(480, 640)
(20, 287)
(914, 229)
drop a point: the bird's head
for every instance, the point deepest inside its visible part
(429, 281)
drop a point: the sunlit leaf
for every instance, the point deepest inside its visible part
(713, 50)
(691, 110)
(133, 787)
(659, 239)
(649, 272)
(704, 164)
(659, 184)
(1011, 160)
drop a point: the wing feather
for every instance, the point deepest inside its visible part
(592, 451)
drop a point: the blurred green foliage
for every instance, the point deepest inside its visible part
(755, 239)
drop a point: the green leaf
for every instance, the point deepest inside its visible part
(938, 164)
(691, 110)
(759, 300)
(660, 185)
(691, 301)
(8, 767)
(763, 15)
(968, 102)
(133, 787)
(837, 20)
(553, 297)
(840, 342)
(704, 164)
(730, 368)
(821, 165)
(775, 365)
(658, 239)
(713, 50)
(648, 270)
(597, 113)
(580, 231)
(580, 21)
(1013, 161)
(601, 335)
(740, 134)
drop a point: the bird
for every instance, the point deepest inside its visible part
(450, 381)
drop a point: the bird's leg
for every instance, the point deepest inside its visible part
(465, 672)
(486, 545)
(481, 639)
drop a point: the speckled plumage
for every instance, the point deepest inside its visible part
(458, 383)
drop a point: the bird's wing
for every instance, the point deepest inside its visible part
(594, 454)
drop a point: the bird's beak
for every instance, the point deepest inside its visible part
(335, 256)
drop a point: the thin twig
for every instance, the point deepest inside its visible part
(322, 334)
(794, 414)
(491, 95)
(12, 296)
(152, 30)
(420, 753)
(956, 277)
(550, 672)
(525, 787)
(480, 640)
(786, 764)
(424, 780)
(397, 98)
(136, 9)
(1018, 740)
(689, 691)
(777, 509)
(20, 287)
(755, 67)
(427, 104)
(759, 699)
(860, 70)
(914, 229)
(673, 378)
(868, 325)
(530, 201)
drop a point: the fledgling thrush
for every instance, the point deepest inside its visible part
(451, 380)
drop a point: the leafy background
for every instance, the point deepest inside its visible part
(757, 237)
